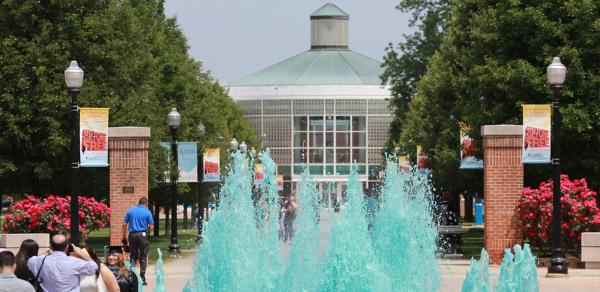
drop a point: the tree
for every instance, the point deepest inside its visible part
(407, 63)
(136, 63)
(485, 69)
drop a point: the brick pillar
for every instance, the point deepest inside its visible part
(503, 184)
(128, 154)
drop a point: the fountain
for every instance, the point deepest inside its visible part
(330, 251)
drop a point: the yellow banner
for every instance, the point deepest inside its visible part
(537, 127)
(93, 137)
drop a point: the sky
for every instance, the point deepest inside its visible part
(235, 38)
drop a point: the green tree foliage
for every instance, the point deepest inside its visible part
(407, 63)
(492, 60)
(136, 63)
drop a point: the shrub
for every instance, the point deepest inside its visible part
(579, 212)
(53, 214)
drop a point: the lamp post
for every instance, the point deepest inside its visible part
(201, 131)
(556, 72)
(74, 80)
(173, 120)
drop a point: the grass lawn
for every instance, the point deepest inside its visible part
(472, 243)
(186, 239)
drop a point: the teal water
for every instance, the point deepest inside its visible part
(160, 274)
(518, 272)
(241, 250)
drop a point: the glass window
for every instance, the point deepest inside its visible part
(329, 155)
(299, 156)
(342, 123)
(300, 123)
(359, 124)
(329, 170)
(361, 169)
(329, 123)
(329, 139)
(359, 139)
(298, 169)
(300, 139)
(316, 139)
(342, 139)
(374, 171)
(342, 169)
(315, 155)
(316, 169)
(284, 170)
(359, 155)
(316, 124)
(342, 156)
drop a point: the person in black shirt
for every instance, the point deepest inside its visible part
(127, 280)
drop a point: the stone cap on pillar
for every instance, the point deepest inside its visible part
(502, 130)
(129, 132)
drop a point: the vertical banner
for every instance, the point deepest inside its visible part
(421, 158)
(259, 173)
(187, 160)
(280, 182)
(403, 163)
(468, 150)
(93, 137)
(211, 165)
(536, 133)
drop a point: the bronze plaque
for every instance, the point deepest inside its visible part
(128, 190)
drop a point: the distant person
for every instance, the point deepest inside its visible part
(29, 248)
(290, 210)
(102, 281)
(126, 279)
(59, 272)
(137, 222)
(8, 281)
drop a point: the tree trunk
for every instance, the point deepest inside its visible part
(194, 216)
(468, 207)
(167, 225)
(185, 216)
(156, 219)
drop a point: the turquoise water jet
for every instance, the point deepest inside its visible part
(333, 251)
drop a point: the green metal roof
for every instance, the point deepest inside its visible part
(318, 67)
(329, 9)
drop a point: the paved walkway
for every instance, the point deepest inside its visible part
(453, 273)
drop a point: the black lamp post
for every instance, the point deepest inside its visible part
(173, 120)
(74, 80)
(201, 131)
(556, 72)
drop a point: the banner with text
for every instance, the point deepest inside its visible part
(259, 173)
(93, 137)
(280, 182)
(212, 165)
(536, 133)
(187, 160)
(468, 160)
(403, 163)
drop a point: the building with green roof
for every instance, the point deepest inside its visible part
(322, 108)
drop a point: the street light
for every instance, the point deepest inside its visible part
(74, 80)
(201, 131)
(173, 120)
(233, 145)
(557, 72)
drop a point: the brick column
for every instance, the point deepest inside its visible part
(503, 184)
(128, 155)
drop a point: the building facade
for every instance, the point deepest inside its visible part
(323, 109)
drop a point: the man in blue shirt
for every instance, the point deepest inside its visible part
(137, 222)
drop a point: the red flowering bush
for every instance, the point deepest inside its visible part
(579, 212)
(53, 214)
